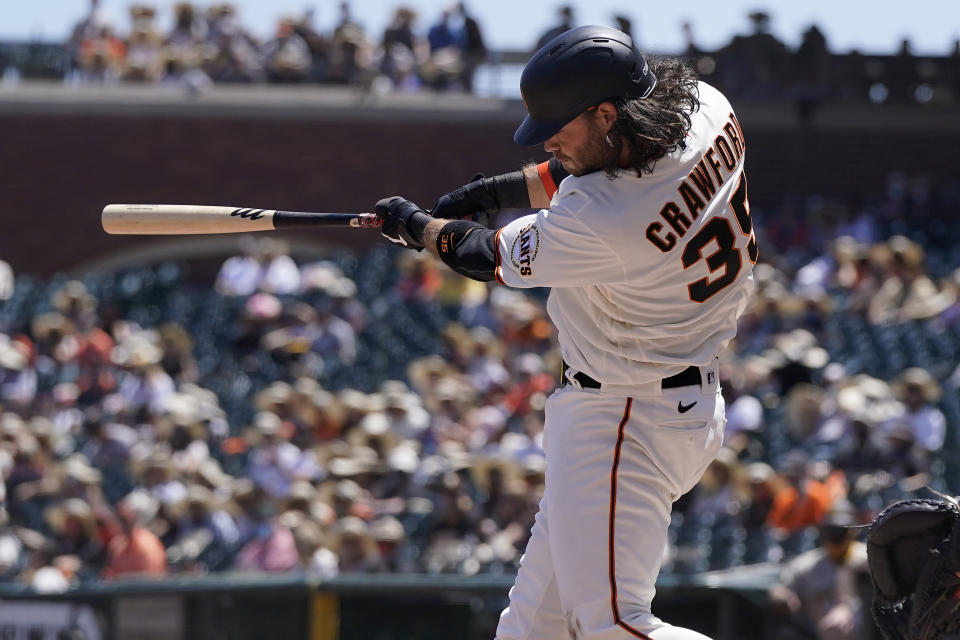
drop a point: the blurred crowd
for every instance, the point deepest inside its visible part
(210, 44)
(377, 413)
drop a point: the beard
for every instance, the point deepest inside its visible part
(594, 155)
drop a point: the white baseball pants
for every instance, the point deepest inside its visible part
(614, 467)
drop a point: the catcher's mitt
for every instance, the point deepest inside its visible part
(913, 550)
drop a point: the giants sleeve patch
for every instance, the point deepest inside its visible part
(525, 249)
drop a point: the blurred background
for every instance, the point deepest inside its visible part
(315, 435)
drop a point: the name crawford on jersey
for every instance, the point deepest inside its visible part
(726, 151)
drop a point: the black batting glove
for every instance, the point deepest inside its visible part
(403, 222)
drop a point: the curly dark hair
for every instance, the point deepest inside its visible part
(656, 125)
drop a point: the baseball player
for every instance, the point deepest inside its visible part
(649, 250)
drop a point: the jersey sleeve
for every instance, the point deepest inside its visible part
(553, 248)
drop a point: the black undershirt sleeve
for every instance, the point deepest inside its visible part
(469, 249)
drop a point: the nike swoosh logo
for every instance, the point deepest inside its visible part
(682, 408)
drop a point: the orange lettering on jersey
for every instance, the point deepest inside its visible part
(664, 244)
(701, 177)
(734, 138)
(714, 164)
(695, 203)
(675, 218)
(726, 154)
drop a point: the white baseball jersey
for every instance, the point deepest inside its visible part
(649, 274)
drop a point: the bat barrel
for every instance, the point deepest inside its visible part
(167, 219)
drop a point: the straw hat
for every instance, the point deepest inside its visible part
(12, 425)
(197, 496)
(404, 458)
(508, 468)
(759, 473)
(137, 353)
(387, 529)
(210, 472)
(397, 395)
(157, 460)
(73, 293)
(374, 433)
(277, 393)
(360, 460)
(351, 527)
(920, 379)
(141, 505)
(300, 496)
(424, 370)
(455, 455)
(354, 401)
(267, 423)
(57, 515)
(13, 354)
(51, 322)
(801, 346)
(76, 468)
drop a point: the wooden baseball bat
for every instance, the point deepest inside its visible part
(175, 219)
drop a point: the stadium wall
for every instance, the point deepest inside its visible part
(65, 153)
(384, 607)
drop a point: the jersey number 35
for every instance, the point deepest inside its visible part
(725, 262)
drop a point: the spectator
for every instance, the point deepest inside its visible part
(905, 463)
(402, 53)
(625, 25)
(355, 547)
(316, 560)
(761, 477)
(189, 30)
(565, 16)
(722, 492)
(75, 534)
(288, 60)
(272, 549)
(202, 535)
(444, 66)
(87, 29)
(144, 62)
(135, 551)
(440, 35)
(275, 464)
(351, 53)
(822, 589)
(919, 392)
(472, 45)
(800, 501)
(264, 266)
(238, 57)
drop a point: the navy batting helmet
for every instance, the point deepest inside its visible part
(575, 71)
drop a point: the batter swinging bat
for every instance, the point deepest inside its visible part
(175, 219)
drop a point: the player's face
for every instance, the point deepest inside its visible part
(580, 146)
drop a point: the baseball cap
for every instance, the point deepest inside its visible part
(578, 69)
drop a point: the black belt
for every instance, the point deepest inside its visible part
(688, 377)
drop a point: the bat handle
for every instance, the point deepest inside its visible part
(366, 221)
